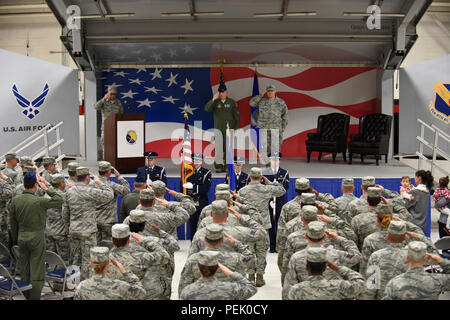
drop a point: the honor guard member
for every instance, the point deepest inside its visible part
(27, 215)
(152, 171)
(416, 284)
(201, 181)
(240, 177)
(282, 176)
(12, 168)
(108, 105)
(6, 194)
(210, 288)
(72, 171)
(225, 111)
(101, 287)
(106, 213)
(50, 167)
(272, 117)
(131, 200)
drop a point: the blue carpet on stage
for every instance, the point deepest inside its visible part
(323, 185)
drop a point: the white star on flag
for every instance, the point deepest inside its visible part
(172, 52)
(114, 84)
(152, 89)
(137, 80)
(139, 69)
(187, 108)
(187, 49)
(156, 56)
(172, 79)
(169, 99)
(187, 86)
(107, 70)
(145, 102)
(121, 73)
(156, 73)
(128, 94)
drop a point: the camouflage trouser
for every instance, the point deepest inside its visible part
(81, 252)
(4, 238)
(104, 231)
(60, 245)
(260, 250)
(157, 287)
(268, 145)
(280, 260)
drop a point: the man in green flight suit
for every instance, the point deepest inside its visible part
(108, 105)
(27, 215)
(225, 112)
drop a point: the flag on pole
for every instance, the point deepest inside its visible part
(186, 160)
(230, 163)
(254, 131)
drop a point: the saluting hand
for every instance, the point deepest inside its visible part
(3, 176)
(225, 270)
(171, 192)
(118, 265)
(216, 95)
(333, 235)
(332, 266)
(163, 202)
(42, 186)
(116, 173)
(229, 238)
(237, 214)
(154, 226)
(96, 179)
(138, 237)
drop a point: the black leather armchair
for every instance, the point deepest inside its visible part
(331, 135)
(373, 137)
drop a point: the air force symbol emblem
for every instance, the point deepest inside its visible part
(30, 108)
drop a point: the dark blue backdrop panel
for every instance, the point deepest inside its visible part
(323, 185)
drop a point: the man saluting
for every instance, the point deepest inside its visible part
(151, 170)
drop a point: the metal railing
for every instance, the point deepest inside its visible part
(438, 133)
(47, 147)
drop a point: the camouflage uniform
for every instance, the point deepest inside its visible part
(101, 287)
(46, 174)
(106, 213)
(12, 173)
(79, 213)
(320, 288)
(296, 271)
(416, 284)
(210, 288)
(108, 107)
(6, 194)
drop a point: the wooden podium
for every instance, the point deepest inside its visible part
(124, 141)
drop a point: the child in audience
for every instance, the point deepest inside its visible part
(406, 187)
(443, 192)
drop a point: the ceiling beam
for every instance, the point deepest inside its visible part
(284, 8)
(191, 5)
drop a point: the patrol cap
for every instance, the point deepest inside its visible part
(137, 216)
(348, 182)
(208, 258)
(112, 89)
(26, 160)
(197, 157)
(316, 254)
(222, 87)
(99, 254)
(141, 178)
(214, 231)
(308, 198)
(159, 187)
(384, 208)
(368, 181)
(48, 160)
(27, 169)
(270, 87)
(397, 227)
(223, 195)
(147, 194)
(255, 172)
(222, 187)
(104, 166)
(417, 250)
(150, 155)
(57, 178)
(373, 192)
(10, 156)
(72, 166)
(219, 207)
(120, 231)
(309, 212)
(302, 184)
(275, 155)
(30, 177)
(81, 171)
(239, 160)
(315, 230)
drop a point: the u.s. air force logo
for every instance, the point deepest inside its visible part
(30, 109)
(131, 137)
(440, 106)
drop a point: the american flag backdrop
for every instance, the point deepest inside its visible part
(164, 93)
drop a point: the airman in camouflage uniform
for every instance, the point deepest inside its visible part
(6, 194)
(416, 284)
(272, 117)
(56, 230)
(148, 261)
(221, 190)
(12, 168)
(239, 261)
(25, 161)
(317, 287)
(79, 213)
(108, 105)
(72, 171)
(20, 187)
(316, 234)
(51, 168)
(208, 287)
(343, 201)
(106, 213)
(101, 287)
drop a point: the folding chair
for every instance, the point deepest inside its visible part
(443, 244)
(56, 271)
(6, 259)
(106, 243)
(11, 287)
